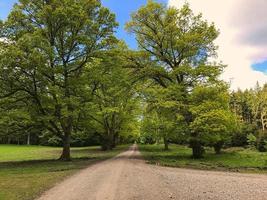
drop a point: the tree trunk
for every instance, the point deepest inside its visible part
(263, 120)
(198, 152)
(65, 156)
(107, 142)
(115, 140)
(29, 139)
(218, 147)
(166, 144)
(197, 148)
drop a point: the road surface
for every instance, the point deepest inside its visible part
(128, 177)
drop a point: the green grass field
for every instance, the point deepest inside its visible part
(27, 171)
(233, 159)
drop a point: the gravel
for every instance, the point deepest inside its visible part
(128, 177)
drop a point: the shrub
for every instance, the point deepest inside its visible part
(252, 140)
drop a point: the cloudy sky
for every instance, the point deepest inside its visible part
(243, 33)
(243, 37)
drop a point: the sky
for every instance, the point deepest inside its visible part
(243, 37)
(243, 33)
(122, 9)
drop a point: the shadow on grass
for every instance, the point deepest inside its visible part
(81, 158)
(49, 165)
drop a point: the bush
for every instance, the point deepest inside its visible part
(147, 139)
(240, 138)
(252, 140)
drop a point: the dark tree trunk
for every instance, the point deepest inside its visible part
(198, 151)
(166, 144)
(218, 147)
(114, 140)
(65, 156)
(197, 148)
(107, 142)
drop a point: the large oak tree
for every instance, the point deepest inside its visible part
(47, 45)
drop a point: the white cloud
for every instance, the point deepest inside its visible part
(241, 41)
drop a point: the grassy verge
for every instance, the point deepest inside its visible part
(25, 172)
(233, 159)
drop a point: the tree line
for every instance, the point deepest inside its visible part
(66, 79)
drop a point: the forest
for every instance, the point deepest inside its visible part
(67, 81)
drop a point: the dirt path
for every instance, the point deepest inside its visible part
(127, 177)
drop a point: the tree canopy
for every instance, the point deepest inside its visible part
(66, 79)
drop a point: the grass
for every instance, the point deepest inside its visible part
(232, 159)
(27, 171)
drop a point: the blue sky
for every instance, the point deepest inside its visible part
(122, 9)
(262, 66)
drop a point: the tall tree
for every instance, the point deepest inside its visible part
(49, 43)
(175, 45)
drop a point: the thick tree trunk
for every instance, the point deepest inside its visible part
(65, 156)
(197, 148)
(197, 151)
(107, 142)
(166, 144)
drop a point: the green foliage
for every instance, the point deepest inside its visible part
(175, 46)
(261, 142)
(66, 80)
(213, 122)
(114, 106)
(50, 45)
(250, 107)
(172, 35)
(252, 140)
(239, 138)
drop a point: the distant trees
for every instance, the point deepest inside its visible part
(160, 114)
(115, 103)
(250, 107)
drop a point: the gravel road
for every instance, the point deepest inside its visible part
(128, 177)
